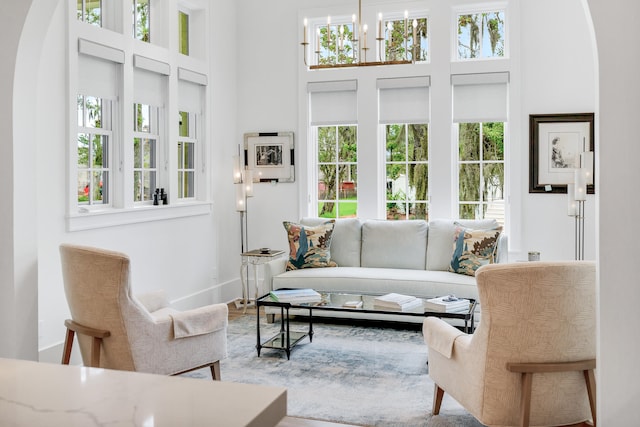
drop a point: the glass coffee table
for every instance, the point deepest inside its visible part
(286, 339)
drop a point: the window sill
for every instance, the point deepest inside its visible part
(115, 217)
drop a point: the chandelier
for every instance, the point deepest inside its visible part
(346, 44)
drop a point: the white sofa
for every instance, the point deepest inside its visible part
(377, 256)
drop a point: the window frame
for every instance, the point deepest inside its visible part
(106, 130)
(470, 10)
(397, 17)
(135, 14)
(481, 162)
(193, 138)
(338, 164)
(186, 12)
(408, 201)
(154, 134)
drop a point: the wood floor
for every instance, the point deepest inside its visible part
(235, 313)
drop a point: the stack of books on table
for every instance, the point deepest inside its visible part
(447, 304)
(398, 302)
(295, 296)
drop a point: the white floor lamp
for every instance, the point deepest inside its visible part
(577, 195)
(243, 180)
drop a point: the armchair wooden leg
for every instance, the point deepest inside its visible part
(525, 398)
(68, 344)
(95, 352)
(590, 380)
(96, 342)
(438, 394)
(215, 371)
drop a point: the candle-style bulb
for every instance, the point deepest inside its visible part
(415, 23)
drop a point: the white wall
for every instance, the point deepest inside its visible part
(558, 76)
(618, 373)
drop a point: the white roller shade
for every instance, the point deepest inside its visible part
(148, 87)
(190, 96)
(97, 77)
(333, 103)
(192, 76)
(480, 97)
(404, 100)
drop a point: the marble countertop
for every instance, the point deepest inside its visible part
(42, 394)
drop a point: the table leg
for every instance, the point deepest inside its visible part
(255, 278)
(258, 345)
(288, 337)
(310, 325)
(245, 286)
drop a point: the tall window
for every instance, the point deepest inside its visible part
(142, 20)
(481, 170)
(145, 151)
(481, 35)
(406, 39)
(187, 143)
(337, 154)
(90, 11)
(407, 171)
(93, 145)
(183, 32)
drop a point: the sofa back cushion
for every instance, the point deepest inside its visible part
(441, 237)
(345, 242)
(394, 244)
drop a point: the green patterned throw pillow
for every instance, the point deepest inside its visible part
(309, 245)
(473, 249)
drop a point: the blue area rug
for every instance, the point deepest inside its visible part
(363, 375)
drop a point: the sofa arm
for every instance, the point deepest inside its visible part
(272, 269)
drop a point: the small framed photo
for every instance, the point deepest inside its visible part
(270, 155)
(555, 144)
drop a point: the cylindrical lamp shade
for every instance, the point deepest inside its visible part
(237, 170)
(572, 205)
(247, 180)
(241, 201)
(586, 162)
(581, 184)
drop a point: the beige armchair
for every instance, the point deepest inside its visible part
(116, 330)
(531, 358)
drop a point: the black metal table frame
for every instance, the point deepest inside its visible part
(285, 334)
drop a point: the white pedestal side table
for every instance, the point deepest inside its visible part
(255, 258)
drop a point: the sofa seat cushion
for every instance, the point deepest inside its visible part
(420, 283)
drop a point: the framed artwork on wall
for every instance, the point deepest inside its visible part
(270, 155)
(555, 144)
